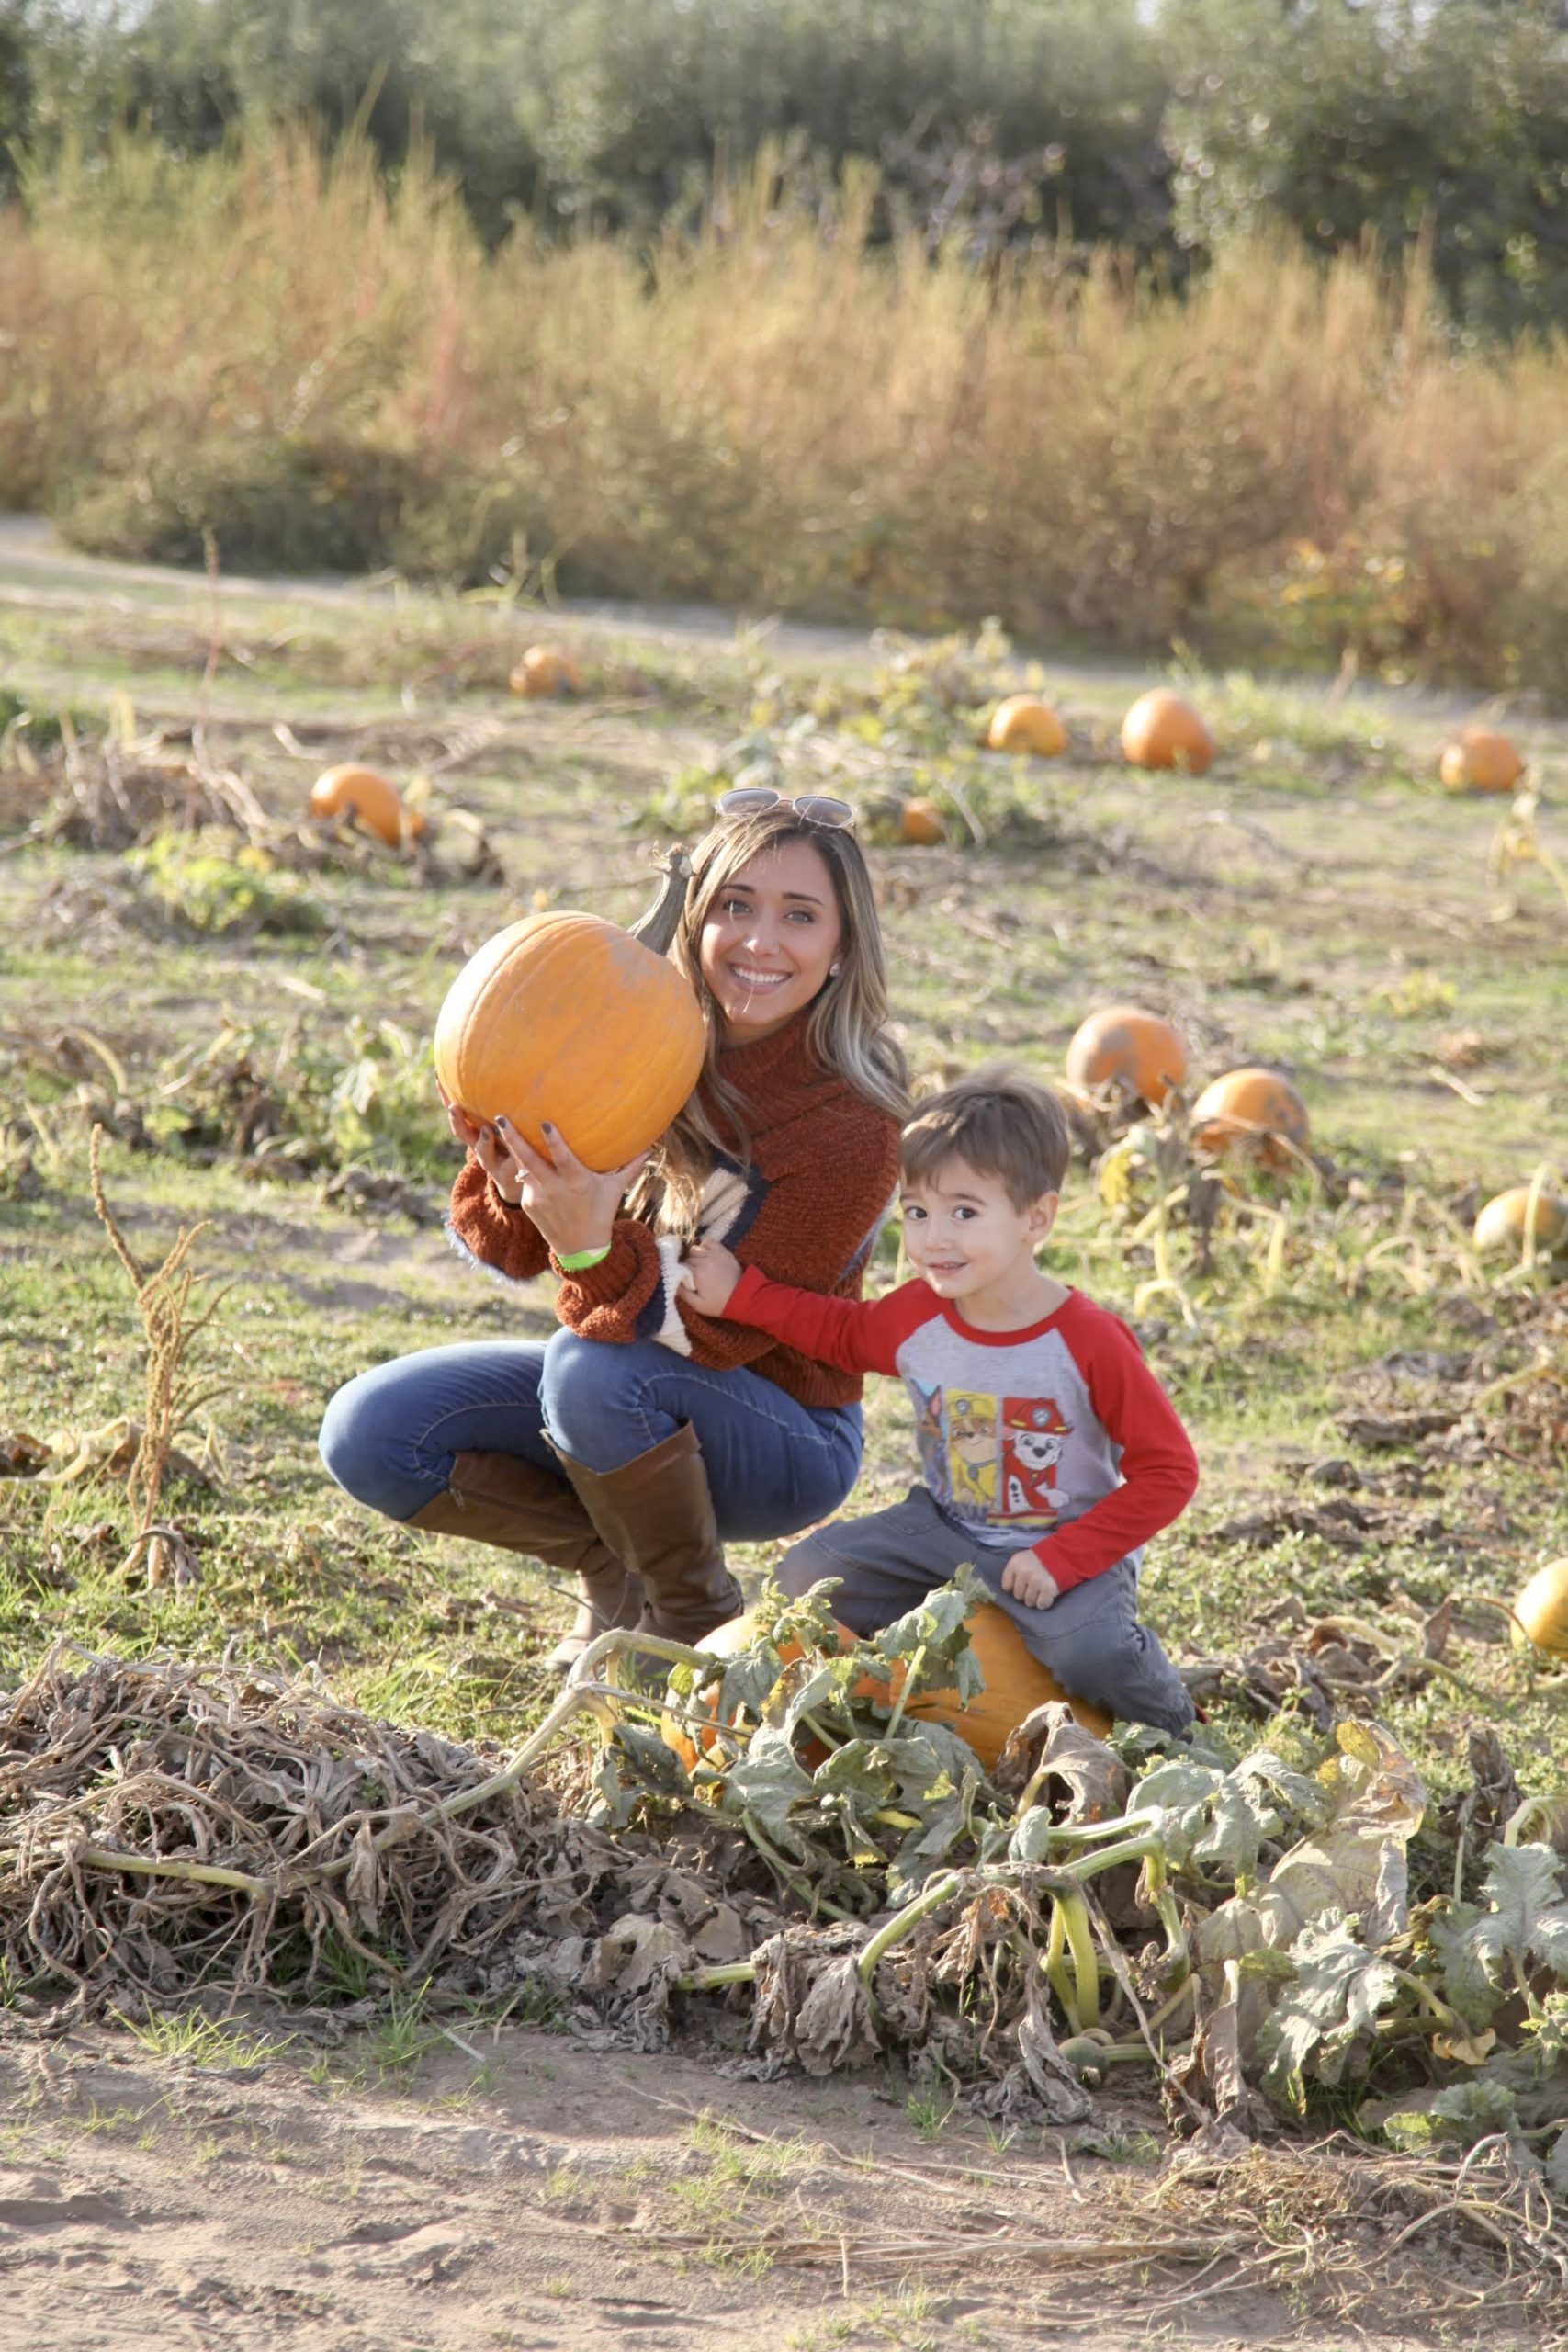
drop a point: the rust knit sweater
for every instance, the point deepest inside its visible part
(803, 1209)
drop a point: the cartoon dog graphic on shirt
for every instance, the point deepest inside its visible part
(1035, 1436)
(971, 1451)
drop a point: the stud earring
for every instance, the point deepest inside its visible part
(833, 970)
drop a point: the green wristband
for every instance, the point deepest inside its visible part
(581, 1258)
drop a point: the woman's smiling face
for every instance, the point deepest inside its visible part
(770, 934)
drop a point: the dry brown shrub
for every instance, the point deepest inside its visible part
(269, 345)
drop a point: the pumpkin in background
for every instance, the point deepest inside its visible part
(921, 822)
(1122, 1044)
(540, 670)
(1016, 1683)
(1541, 1611)
(1481, 760)
(1161, 731)
(1504, 1222)
(365, 795)
(1252, 1109)
(567, 1018)
(1026, 723)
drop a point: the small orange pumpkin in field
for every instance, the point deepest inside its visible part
(1015, 1684)
(568, 1018)
(1252, 1109)
(1125, 1045)
(921, 822)
(367, 796)
(1161, 731)
(1026, 723)
(540, 670)
(1481, 760)
(1504, 1222)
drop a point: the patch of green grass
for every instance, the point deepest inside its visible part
(186, 2038)
(931, 2111)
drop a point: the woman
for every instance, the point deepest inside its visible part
(639, 1439)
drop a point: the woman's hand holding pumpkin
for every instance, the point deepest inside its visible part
(572, 1207)
(708, 1275)
(466, 1131)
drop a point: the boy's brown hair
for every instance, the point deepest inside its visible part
(1001, 1123)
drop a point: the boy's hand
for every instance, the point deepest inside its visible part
(708, 1275)
(1029, 1580)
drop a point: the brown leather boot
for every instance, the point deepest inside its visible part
(500, 1499)
(656, 1514)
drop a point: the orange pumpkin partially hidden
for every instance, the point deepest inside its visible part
(1252, 1110)
(1540, 1612)
(1481, 760)
(1015, 1684)
(1161, 731)
(1125, 1045)
(568, 1018)
(922, 823)
(540, 670)
(1504, 1222)
(1026, 723)
(367, 796)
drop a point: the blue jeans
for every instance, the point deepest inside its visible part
(773, 1465)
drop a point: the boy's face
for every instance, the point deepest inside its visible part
(964, 1232)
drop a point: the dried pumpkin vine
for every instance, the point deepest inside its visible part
(1269, 1944)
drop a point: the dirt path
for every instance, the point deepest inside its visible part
(565, 2200)
(37, 568)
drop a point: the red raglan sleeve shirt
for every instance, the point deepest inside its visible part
(1057, 1438)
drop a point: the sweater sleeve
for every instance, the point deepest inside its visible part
(1159, 1469)
(852, 1335)
(484, 1227)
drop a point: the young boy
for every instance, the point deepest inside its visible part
(1051, 1453)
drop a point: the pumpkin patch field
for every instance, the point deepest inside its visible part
(758, 1998)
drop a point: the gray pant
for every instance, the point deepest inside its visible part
(1090, 1638)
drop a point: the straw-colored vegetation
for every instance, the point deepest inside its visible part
(1293, 459)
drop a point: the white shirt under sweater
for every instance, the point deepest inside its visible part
(1057, 1437)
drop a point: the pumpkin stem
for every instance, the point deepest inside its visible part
(658, 927)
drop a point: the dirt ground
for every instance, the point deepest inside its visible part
(576, 2199)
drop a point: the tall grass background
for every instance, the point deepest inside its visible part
(275, 345)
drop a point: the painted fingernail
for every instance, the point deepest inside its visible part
(546, 1127)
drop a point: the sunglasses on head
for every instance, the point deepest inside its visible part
(816, 807)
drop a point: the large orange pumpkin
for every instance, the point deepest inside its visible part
(1161, 731)
(1542, 1610)
(365, 795)
(567, 1018)
(1015, 1684)
(540, 670)
(1504, 1222)
(1026, 723)
(1122, 1044)
(1481, 760)
(1253, 1110)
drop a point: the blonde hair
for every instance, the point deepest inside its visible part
(846, 1030)
(1000, 1124)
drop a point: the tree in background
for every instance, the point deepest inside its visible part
(1166, 127)
(1445, 121)
(1042, 115)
